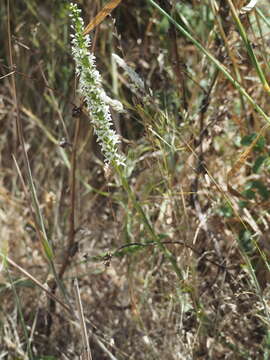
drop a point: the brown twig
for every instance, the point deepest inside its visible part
(71, 237)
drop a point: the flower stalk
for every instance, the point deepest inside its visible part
(90, 87)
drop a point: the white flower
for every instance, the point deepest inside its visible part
(90, 87)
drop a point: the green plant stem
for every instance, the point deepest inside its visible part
(21, 317)
(169, 256)
(250, 51)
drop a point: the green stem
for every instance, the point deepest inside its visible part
(169, 256)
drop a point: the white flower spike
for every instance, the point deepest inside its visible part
(91, 88)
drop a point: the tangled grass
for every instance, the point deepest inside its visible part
(168, 256)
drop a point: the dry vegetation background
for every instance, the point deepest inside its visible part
(182, 138)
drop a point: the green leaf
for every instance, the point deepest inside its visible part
(247, 140)
(267, 163)
(256, 185)
(260, 144)
(250, 194)
(262, 189)
(164, 25)
(129, 250)
(246, 240)
(226, 211)
(242, 204)
(258, 163)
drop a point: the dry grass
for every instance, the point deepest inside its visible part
(181, 139)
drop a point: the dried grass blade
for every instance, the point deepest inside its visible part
(86, 346)
(241, 161)
(107, 9)
(32, 278)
